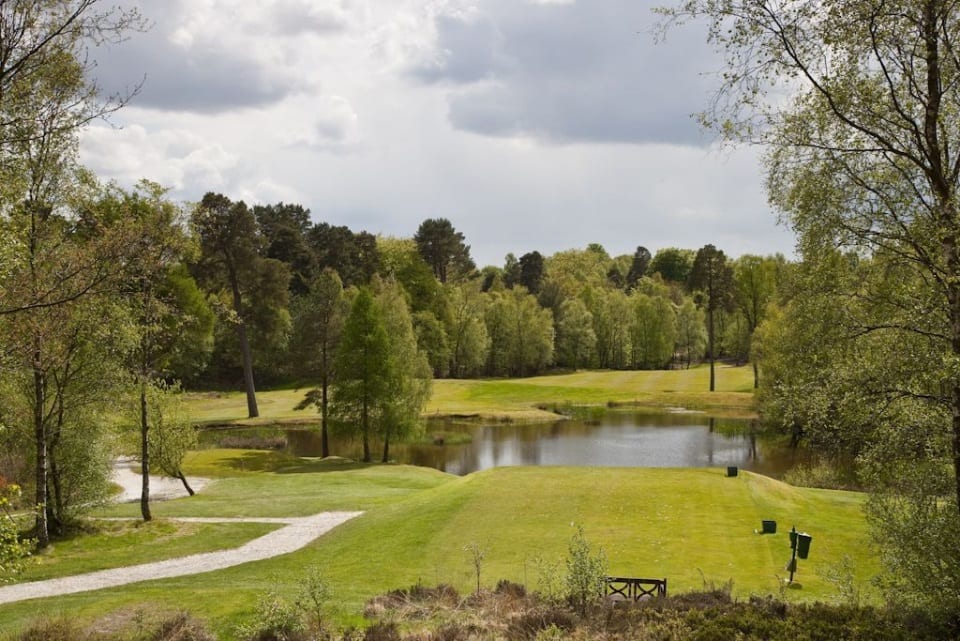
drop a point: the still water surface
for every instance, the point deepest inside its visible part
(618, 439)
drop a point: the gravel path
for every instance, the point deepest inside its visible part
(161, 487)
(297, 534)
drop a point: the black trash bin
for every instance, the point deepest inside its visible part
(803, 544)
(769, 527)
(732, 470)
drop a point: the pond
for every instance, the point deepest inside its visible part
(614, 439)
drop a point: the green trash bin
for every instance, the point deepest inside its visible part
(803, 544)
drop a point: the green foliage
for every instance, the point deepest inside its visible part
(443, 248)
(383, 380)
(467, 337)
(314, 596)
(861, 167)
(14, 550)
(173, 434)
(275, 619)
(586, 572)
(362, 364)
(476, 553)
(284, 229)
(575, 338)
(672, 264)
(916, 527)
(408, 369)
(691, 333)
(550, 579)
(521, 334)
(611, 326)
(822, 474)
(653, 333)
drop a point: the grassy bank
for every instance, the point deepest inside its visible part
(520, 399)
(687, 525)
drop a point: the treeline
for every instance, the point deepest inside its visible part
(580, 308)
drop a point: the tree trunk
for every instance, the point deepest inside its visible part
(324, 408)
(55, 503)
(252, 409)
(186, 485)
(756, 375)
(386, 449)
(710, 347)
(365, 424)
(41, 530)
(953, 294)
(144, 455)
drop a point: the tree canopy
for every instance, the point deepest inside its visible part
(859, 106)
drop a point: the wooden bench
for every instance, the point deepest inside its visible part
(620, 588)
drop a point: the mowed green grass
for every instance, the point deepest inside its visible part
(517, 399)
(111, 544)
(687, 525)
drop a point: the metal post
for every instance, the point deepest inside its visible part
(793, 545)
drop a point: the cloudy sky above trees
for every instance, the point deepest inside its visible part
(530, 124)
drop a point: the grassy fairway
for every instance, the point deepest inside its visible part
(681, 524)
(111, 544)
(517, 399)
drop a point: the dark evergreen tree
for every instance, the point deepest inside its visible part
(443, 248)
(713, 277)
(638, 268)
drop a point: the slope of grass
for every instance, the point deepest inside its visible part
(688, 525)
(252, 483)
(111, 544)
(517, 399)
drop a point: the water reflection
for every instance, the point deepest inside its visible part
(619, 439)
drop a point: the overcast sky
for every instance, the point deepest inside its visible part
(529, 124)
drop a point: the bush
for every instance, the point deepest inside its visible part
(276, 619)
(586, 572)
(821, 475)
(176, 627)
(181, 627)
(382, 632)
(54, 630)
(14, 551)
(529, 625)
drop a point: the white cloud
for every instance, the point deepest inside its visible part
(530, 126)
(176, 158)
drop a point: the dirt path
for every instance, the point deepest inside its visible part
(297, 533)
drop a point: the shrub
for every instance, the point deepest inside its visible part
(530, 624)
(181, 627)
(382, 632)
(586, 572)
(820, 474)
(14, 551)
(276, 619)
(55, 630)
(313, 596)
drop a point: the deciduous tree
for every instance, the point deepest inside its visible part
(859, 103)
(363, 368)
(318, 325)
